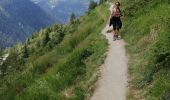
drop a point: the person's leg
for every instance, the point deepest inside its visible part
(114, 32)
(116, 27)
(118, 34)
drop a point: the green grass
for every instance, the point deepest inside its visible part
(146, 30)
(68, 71)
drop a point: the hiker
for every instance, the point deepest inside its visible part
(115, 20)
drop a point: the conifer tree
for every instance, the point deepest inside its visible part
(72, 18)
(45, 39)
(24, 52)
(92, 5)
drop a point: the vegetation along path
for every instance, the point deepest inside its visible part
(113, 81)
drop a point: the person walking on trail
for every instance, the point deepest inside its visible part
(116, 21)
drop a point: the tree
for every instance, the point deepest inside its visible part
(11, 60)
(45, 39)
(57, 36)
(24, 52)
(1, 52)
(3, 70)
(92, 5)
(28, 41)
(72, 18)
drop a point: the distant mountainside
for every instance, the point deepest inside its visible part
(19, 19)
(62, 9)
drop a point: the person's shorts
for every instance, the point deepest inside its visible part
(116, 22)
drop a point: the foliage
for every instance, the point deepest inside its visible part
(72, 18)
(92, 5)
(64, 68)
(148, 47)
(24, 52)
(45, 39)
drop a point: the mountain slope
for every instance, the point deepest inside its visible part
(19, 18)
(146, 29)
(57, 63)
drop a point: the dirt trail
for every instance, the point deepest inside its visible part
(112, 84)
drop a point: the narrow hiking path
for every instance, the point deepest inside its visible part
(112, 84)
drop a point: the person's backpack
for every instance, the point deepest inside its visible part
(116, 12)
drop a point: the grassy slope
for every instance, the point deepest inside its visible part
(65, 72)
(147, 31)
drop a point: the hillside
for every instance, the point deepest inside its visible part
(19, 19)
(57, 63)
(147, 32)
